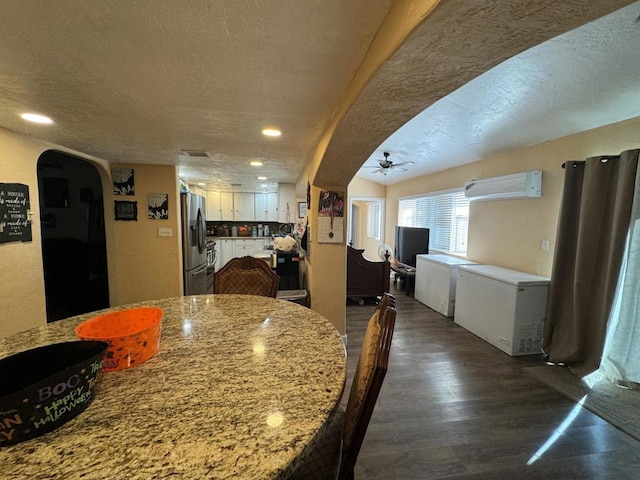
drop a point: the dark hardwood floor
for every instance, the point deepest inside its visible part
(453, 406)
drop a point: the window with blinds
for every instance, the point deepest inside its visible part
(446, 215)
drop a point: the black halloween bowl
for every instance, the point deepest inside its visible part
(42, 388)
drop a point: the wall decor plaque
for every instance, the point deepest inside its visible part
(123, 183)
(15, 224)
(158, 206)
(125, 210)
(331, 217)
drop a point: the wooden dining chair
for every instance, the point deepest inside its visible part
(334, 453)
(248, 276)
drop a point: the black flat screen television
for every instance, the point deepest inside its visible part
(411, 241)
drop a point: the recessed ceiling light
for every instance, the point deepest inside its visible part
(201, 184)
(271, 132)
(35, 118)
(262, 178)
(255, 163)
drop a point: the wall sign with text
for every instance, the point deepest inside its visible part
(126, 210)
(15, 224)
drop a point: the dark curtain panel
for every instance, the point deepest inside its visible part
(592, 230)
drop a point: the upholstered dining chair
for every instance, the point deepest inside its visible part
(246, 275)
(335, 451)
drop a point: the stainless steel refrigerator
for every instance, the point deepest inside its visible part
(194, 243)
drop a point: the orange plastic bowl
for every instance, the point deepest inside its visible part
(133, 335)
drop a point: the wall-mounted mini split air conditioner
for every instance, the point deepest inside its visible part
(517, 185)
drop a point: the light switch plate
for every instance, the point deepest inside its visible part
(165, 232)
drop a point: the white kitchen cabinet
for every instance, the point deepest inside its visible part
(225, 250)
(243, 248)
(198, 190)
(287, 208)
(226, 206)
(272, 207)
(261, 207)
(214, 207)
(231, 206)
(244, 207)
(247, 206)
(266, 207)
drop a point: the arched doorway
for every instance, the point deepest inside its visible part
(73, 236)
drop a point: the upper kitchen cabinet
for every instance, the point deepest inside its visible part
(226, 205)
(287, 208)
(198, 190)
(244, 207)
(230, 206)
(266, 207)
(221, 206)
(214, 207)
(253, 207)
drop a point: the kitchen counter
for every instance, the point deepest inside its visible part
(241, 238)
(240, 386)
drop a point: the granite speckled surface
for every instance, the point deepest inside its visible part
(239, 386)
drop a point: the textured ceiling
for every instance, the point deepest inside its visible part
(139, 81)
(454, 45)
(577, 81)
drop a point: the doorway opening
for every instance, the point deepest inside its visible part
(74, 253)
(366, 225)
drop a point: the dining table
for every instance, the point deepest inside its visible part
(240, 385)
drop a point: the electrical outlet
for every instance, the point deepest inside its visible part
(165, 232)
(544, 245)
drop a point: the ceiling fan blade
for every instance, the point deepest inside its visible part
(404, 163)
(370, 166)
(401, 169)
(381, 170)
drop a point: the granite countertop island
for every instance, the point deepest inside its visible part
(240, 385)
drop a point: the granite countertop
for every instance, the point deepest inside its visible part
(238, 388)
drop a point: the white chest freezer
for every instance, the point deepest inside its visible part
(504, 307)
(436, 276)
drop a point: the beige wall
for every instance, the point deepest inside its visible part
(22, 302)
(326, 272)
(508, 233)
(142, 266)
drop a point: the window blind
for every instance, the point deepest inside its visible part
(446, 215)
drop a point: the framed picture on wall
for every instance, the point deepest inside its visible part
(302, 209)
(158, 206)
(125, 210)
(123, 183)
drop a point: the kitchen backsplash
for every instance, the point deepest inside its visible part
(224, 229)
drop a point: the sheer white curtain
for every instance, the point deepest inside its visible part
(621, 358)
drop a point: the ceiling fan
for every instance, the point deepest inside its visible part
(386, 166)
